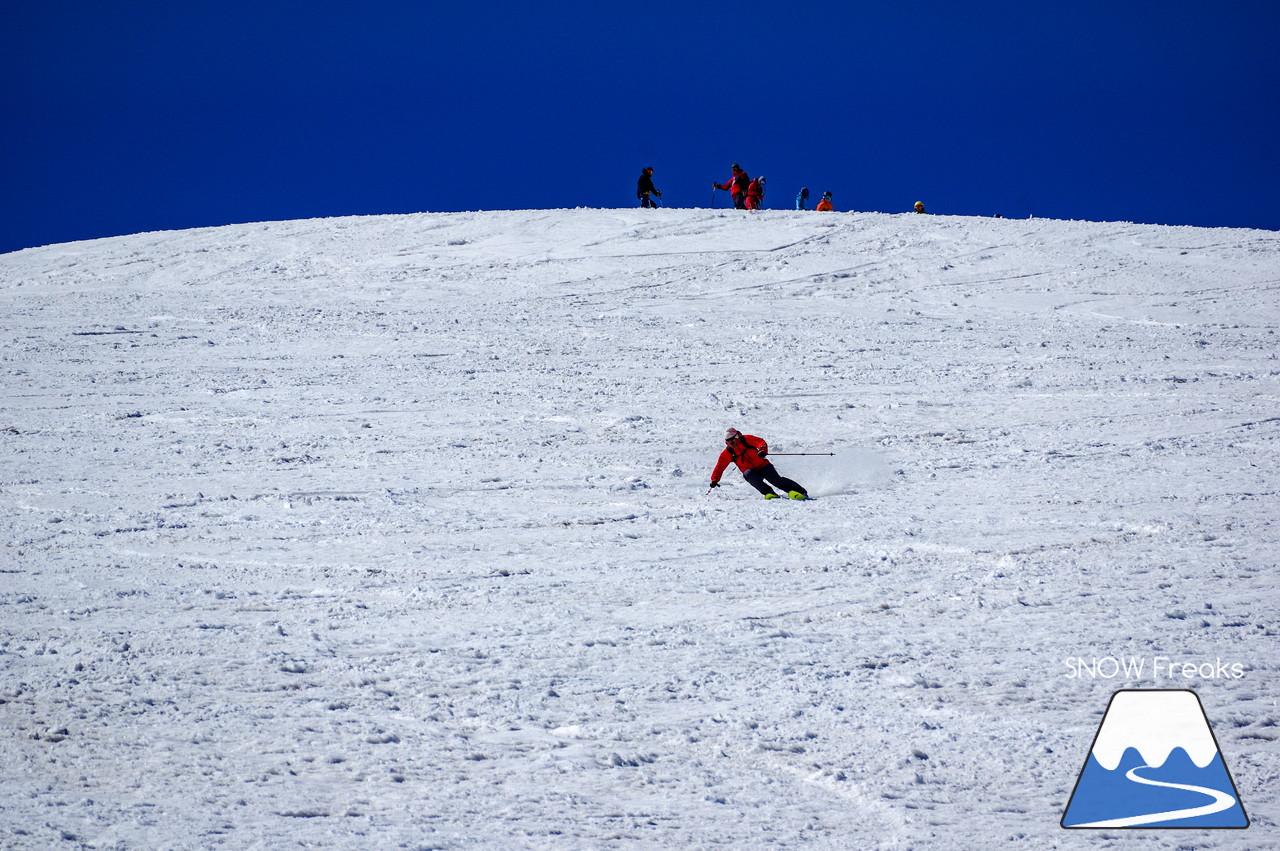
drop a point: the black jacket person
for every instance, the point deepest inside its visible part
(645, 188)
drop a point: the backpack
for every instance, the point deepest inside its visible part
(741, 182)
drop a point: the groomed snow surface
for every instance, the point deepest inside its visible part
(394, 532)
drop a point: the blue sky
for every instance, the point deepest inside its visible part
(141, 115)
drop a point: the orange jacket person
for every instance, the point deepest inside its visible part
(825, 203)
(748, 452)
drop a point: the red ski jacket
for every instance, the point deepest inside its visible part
(735, 185)
(748, 454)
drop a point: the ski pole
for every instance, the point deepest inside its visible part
(713, 196)
(801, 453)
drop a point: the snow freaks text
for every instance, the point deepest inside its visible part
(1157, 668)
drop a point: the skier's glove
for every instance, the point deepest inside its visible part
(715, 484)
(763, 452)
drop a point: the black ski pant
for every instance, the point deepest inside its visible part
(646, 201)
(739, 200)
(768, 473)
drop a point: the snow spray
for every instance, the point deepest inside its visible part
(843, 471)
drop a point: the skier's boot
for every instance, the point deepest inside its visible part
(771, 496)
(798, 495)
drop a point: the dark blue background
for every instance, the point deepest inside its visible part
(119, 118)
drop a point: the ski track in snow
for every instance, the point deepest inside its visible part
(395, 532)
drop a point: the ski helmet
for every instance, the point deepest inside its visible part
(919, 205)
(760, 178)
(731, 434)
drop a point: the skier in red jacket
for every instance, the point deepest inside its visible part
(736, 186)
(748, 452)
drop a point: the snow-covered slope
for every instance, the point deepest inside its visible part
(395, 532)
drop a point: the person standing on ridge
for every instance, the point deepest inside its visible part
(749, 453)
(755, 194)
(802, 200)
(825, 204)
(919, 206)
(645, 188)
(737, 187)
